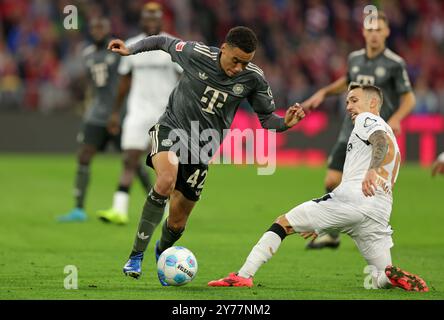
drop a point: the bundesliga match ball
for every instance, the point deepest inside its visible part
(177, 266)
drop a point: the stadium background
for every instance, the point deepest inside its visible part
(303, 46)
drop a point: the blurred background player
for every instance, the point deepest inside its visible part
(101, 70)
(149, 79)
(438, 165)
(376, 65)
(360, 207)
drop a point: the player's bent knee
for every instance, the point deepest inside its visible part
(285, 224)
(176, 226)
(165, 183)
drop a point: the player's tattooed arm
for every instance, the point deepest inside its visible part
(378, 140)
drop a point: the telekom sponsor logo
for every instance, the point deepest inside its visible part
(428, 127)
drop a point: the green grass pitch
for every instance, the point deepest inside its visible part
(236, 208)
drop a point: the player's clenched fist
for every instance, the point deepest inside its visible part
(369, 185)
(294, 114)
(119, 47)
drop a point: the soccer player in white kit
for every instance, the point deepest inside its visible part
(360, 206)
(152, 76)
(438, 165)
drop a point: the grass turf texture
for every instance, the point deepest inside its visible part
(236, 208)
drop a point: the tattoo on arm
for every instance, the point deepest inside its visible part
(379, 144)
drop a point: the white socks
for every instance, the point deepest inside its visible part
(261, 253)
(379, 279)
(120, 202)
(268, 245)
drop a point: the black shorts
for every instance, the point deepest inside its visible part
(336, 158)
(190, 177)
(97, 136)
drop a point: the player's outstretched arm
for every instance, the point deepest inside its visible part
(315, 100)
(148, 44)
(408, 101)
(293, 115)
(378, 140)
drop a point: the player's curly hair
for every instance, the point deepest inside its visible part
(243, 38)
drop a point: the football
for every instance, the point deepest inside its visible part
(177, 266)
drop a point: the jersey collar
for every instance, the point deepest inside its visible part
(375, 57)
(220, 71)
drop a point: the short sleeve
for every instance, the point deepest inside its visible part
(261, 99)
(366, 124)
(401, 78)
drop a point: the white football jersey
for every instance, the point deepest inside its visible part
(357, 162)
(154, 76)
(359, 153)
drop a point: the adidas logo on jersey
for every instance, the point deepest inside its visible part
(203, 75)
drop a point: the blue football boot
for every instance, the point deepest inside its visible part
(75, 215)
(133, 267)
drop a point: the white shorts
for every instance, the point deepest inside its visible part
(330, 214)
(135, 130)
